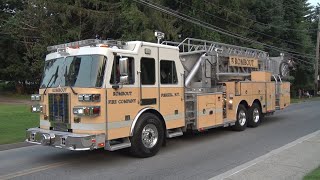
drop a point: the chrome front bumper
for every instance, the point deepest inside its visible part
(65, 140)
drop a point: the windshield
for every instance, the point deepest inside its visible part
(76, 71)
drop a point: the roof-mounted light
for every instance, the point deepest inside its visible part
(87, 42)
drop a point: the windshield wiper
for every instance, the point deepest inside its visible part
(69, 84)
(74, 92)
(54, 75)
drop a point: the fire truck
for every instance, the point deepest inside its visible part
(113, 95)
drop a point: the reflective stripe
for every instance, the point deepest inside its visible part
(45, 123)
(122, 124)
(172, 117)
(89, 127)
(268, 104)
(119, 124)
(215, 111)
(219, 110)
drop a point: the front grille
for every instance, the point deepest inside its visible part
(60, 126)
(59, 111)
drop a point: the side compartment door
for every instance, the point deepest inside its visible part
(219, 109)
(287, 93)
(284, 95)
(270, 96)
(259, 92)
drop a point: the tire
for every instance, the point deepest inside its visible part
(148, 136)
(255, 115)
(242, 119)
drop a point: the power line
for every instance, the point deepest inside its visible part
(215, 28)
(304, 61)
(268, 25)
(259, 32)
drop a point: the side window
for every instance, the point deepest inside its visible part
(148, 71)
(168, 72)
(115, 74)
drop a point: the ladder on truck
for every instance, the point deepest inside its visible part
(223, 51)
(194, 45)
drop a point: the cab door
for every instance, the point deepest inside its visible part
(171, 88)
(148, 81)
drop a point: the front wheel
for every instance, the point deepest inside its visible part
(242, 116)
(148, 136)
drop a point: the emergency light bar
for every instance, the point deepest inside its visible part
(87, 42)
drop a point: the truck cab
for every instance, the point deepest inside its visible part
(93, 92)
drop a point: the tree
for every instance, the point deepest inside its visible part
(27, 27)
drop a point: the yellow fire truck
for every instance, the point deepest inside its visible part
(114, 95)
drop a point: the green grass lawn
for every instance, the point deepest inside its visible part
(296, 100)
(14, 120)
(313, 175)
(17, 96)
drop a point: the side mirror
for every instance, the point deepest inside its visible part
(123, 66)
(124, 79)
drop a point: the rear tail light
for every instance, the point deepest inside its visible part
(101, 145)
(87, 111)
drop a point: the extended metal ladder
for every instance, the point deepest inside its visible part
(222, 52)
(192, 44)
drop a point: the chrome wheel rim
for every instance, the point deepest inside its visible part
(256, 115)
(149, 136)
(242, 118)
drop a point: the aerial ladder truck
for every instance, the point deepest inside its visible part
(113, 95)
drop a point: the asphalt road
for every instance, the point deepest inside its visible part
(199, 156)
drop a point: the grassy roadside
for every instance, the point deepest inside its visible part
(16, 96)
(296, 100)
(14, 120)
(313, 175)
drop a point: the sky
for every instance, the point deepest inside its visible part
(314, 2)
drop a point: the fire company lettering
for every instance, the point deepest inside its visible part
(243, 62)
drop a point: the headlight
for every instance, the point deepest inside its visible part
(89, 97)
(35, 97)
(87, 111)
(38, 108)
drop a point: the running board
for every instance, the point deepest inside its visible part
(117, 144)
(171, 133)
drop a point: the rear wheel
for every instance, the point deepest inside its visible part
(242, 116)
(147, 137)
(255, 115)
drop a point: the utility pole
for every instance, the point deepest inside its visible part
(317, 57)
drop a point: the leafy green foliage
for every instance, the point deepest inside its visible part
(27, 27)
